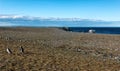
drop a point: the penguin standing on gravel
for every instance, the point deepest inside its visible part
(9, 51)
(21, 49)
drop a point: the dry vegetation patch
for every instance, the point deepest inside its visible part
(52, 49)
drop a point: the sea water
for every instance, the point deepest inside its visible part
(101, 30)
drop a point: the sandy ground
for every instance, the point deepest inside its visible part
(53, 49)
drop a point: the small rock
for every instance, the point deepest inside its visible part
(79, 50)
(91, 31)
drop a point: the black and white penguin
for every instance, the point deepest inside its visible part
(21, 49)
(9, 51)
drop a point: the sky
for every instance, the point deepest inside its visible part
(108, 10)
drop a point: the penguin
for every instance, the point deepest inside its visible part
(21, 49)
(9, 51)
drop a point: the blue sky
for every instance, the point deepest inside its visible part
(85, 9)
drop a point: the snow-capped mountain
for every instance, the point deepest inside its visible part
(18, 20)
(42, 18)
(10, 16)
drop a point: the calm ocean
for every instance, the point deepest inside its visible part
(101, 30)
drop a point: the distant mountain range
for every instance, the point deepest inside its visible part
(15, 20)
